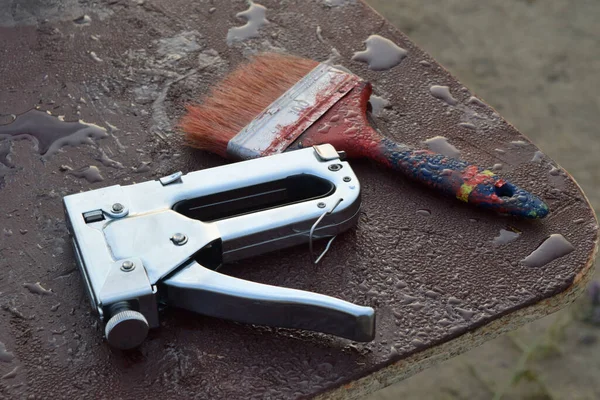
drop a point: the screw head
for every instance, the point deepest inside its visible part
(179, 239)
(321, 205)
(118, 208)
(335, 167)
(347, 179)
(127, 266)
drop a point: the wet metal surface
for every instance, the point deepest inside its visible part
(427, 265)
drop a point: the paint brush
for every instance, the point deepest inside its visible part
(277, 102)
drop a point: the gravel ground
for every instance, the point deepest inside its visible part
(537, 63)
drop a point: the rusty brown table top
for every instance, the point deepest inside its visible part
(428, 265)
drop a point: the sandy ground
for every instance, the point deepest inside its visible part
(537, 63)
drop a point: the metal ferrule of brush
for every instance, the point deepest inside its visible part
(281, 123)
(162, 241)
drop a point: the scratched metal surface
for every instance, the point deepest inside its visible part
(427, 264)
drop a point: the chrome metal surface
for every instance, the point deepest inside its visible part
(126, 329)
(231, 213)
(175, 177)
(281, 123)
(208, 292)
(326, 153)
(127, 266)
(179, 239)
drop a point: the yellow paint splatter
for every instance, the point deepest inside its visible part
(464, 192)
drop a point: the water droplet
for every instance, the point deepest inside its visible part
(95, 57)
(112, 128)
(324, 128)
(50, 133)
(439, 144)
(144, 167)
(454, 301)
(466, 314)
(505, 237)
(408, 299)
(5, 356)
(555, 246)
(5, 152)
(468, 125)
(443, 93)
(13, 310)
(380, 53)
(424, 212)
(91, 174)
(401, 285)
(519, 143)
(36, 288)
(337, 3)
(255, 16)
(107, 161)
(476, 101)
(378, 104)
(319, 34)
(537, 157)
(83, 20)
(11, 374)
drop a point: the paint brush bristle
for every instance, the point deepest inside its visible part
(239, 98)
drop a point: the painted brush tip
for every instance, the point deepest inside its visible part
(239, 98)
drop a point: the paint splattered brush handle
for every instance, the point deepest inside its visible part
(345, 125)
(467, 182)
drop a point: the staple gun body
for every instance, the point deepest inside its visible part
(161, 242)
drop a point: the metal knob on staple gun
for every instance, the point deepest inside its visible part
(162, 241)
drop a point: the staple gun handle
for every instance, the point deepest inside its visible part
(208, 292)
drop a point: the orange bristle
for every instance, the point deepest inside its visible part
(239, 98)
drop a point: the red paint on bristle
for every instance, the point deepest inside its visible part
(239, 98)
(345, 126)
